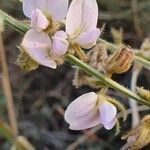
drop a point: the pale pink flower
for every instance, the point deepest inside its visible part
(39, 20)
(38, 45)
(60, 43)
(88, 111)
(54, 9)
(36, 42)
(81, 23)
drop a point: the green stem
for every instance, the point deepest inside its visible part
(22, 27)
(104, 79)
(14, 23)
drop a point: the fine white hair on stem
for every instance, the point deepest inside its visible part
(133, 104)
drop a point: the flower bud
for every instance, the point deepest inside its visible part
(145, 48)
(139, 137)
(146, 45)
(117, 35)
(25, 62)
(120, 61)
(97, 57)
(144, 93)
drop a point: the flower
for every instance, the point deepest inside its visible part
(81, 22)
(38, 45)
(56, 10)
(90, 110)
(60, 44)
(36, 42)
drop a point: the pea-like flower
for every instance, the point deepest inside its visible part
(90, 110)
(81, 23)
(38, 43)
(54, 9)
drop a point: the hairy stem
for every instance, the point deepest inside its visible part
(109, 82)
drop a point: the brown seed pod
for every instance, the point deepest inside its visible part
(120, 61)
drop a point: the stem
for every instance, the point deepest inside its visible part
(104, 79)
(14, 23)
(133, 104)
(7, 90)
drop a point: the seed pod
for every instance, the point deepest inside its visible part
(139, 137)
(96, 59)
(120, 61)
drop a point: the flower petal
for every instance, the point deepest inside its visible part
(61, 34)
(60, 44)
(86, 122)
(111, 124)
(39, 20)
(57, 9)
(37, 46)
(80, 107)
(107, 114)
(88, 39)
(82, 16)
(30, 5)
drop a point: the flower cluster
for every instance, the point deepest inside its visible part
(46, 42)
(56, 29)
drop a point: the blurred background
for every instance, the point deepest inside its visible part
(41, 96)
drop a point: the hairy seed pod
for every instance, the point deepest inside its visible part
(120, 61)
(98, 57)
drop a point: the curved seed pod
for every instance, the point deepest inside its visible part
(120, 61)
